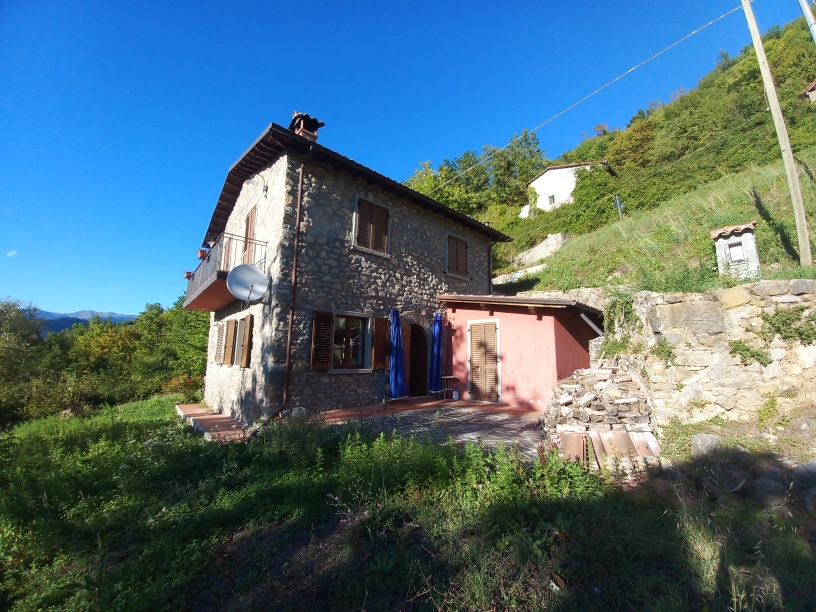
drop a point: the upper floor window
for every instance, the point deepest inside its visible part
(372, 227)
(249, 237)
(551, 200)
(457, 256)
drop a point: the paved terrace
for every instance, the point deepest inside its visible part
(440, 419)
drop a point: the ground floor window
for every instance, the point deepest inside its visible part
(346, 342)
(349, 342)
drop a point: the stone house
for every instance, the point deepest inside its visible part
(341, 246)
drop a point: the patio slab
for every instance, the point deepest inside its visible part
(461, 421)
(217, 427)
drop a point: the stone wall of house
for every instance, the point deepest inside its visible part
(706, 380)
(233, 389)
(333, 276)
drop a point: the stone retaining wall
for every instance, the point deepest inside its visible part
(705, 380)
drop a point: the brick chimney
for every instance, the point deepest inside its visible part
(304, 125)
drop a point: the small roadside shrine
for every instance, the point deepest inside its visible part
(513, 350)
(736, 250)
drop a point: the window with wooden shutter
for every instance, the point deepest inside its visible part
(229, 343)
(372, 227)
(219, 345)
(379, 353)
(457, 256)
(246, 345)
(322, 332)
(249, 237)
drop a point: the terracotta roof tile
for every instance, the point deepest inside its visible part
(733, 229)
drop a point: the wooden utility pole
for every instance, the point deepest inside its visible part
(811, 22)
(784, 143)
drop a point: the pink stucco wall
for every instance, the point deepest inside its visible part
(534, 351)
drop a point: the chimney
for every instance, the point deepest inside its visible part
(304, 125)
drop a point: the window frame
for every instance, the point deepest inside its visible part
(346, 365)
(355, 224)
(448, 271)
(375, 350)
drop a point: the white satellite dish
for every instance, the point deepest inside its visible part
(247, 283)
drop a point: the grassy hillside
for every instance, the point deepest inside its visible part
(717, 129)
(126, 510)
(669, 248)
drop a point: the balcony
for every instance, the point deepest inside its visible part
(207, 287)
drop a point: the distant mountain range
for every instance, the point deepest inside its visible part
(86, 315)
(57, 321)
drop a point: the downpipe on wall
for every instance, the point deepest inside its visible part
(288, 367)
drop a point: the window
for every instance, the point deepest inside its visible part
(236, 336)
(348, 342)
(551, 200)
(457, 256)
(736, 253)
(249, 237)
(372, 227)
(343, 342)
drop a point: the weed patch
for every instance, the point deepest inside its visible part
(748, 354)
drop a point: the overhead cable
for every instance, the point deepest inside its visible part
(588, 96)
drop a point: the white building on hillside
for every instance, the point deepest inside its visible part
(555, 184)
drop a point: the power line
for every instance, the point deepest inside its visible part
(648, 176)
(587, 97)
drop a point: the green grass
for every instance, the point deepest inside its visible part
(127, 510)
(669, 248)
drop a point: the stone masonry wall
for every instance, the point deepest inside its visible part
(705, 380)
(333, 276)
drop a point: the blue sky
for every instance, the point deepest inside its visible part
(119, 120)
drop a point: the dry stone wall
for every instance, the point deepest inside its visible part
(704, 379)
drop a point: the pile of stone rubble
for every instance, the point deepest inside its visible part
(601, 398)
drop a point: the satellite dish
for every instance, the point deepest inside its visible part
(247, 283)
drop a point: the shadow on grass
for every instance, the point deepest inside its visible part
(780, 230)
(309, 517)
(512, 288)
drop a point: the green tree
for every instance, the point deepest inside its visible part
(20, 349)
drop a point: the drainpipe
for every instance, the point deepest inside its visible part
(288, 367)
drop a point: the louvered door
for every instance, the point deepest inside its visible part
(484, 366)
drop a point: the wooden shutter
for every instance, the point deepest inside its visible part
(379, 229)
(225, 255)
(452, 254)
(246, 346)
(229, 343)
(364, 230)
(491, 364)
(380, 348)
(249, 236)
(219, 345)
(322, 333)
(461, 257)
(457, 256)
(477, 362)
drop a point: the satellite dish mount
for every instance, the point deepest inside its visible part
(248, 283)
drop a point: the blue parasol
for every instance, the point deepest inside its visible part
(435, 381)
(399, 384)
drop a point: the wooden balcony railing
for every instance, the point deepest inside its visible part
(207, 287)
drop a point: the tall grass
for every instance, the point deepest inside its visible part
(669, 248)
(127, 510)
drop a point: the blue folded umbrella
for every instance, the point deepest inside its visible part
(435, 380)
(398, 378)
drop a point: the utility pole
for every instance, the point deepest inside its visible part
(809, 20)
(782, 135)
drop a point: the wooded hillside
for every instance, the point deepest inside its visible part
(719, 128)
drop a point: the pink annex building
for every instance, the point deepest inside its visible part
(513, 350)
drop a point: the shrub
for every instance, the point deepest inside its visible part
(664, 350)
(188, 385)
(748, 354)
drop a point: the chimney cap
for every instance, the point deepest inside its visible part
(305, 125)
